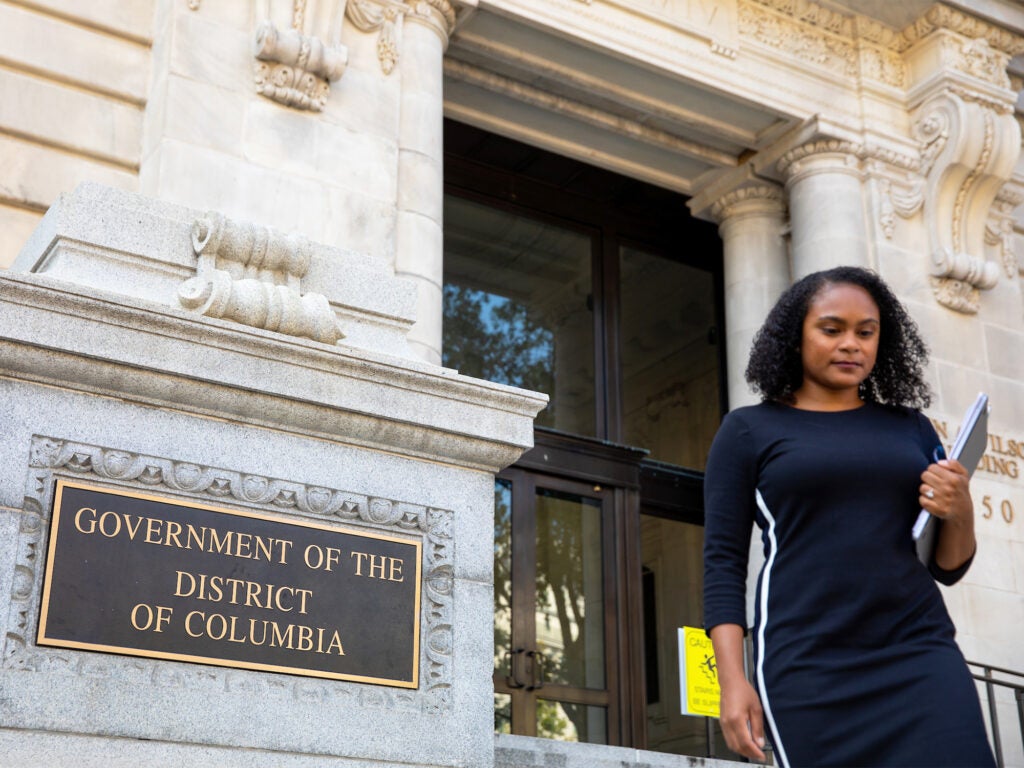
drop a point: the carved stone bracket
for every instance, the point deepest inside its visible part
(50, 457)
(252, 275)
(296, 69)
(969, 151)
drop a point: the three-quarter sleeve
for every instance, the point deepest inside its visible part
(730, 483)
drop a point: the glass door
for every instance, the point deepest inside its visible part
(552, 638)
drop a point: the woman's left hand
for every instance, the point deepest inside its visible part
(945, 491)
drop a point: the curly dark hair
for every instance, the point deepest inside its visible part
(775, 369)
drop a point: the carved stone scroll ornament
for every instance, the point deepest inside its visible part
(50, 456)
(296, 69)
(252, 275)
(969, 151)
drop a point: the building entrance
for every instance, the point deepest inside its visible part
(604, 293)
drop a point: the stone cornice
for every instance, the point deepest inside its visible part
(852, 46)
(851, 26)
(144, 353)
(944, 17)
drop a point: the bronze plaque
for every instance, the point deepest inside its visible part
(147, 576)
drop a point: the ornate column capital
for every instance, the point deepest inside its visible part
(821, 156)
(382, 16)
(438, 15)
(760, 200)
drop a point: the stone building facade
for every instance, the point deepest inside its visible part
(263, 242)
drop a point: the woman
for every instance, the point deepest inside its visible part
(855, 662)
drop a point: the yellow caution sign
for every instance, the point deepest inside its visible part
(698, 673)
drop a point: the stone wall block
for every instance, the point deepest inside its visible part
(204, 115)
(217, 54)
(363, 162)
(956, 387)
(1005, 349)
(993, 567)
(35, 175)
(951, 337)
(364, 101)
(277, 137)
(132, 20)
(245, 191)
(360, 223)
(74, 53)
(75, 120)
(16, 226)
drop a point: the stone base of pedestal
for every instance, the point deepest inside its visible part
(122, 392)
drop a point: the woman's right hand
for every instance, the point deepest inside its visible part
(742, 719)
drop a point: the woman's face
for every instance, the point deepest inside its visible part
(840, 342)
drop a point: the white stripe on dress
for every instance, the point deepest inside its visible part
(763, 602)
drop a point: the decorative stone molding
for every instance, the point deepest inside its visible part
(839, 155)
(830, 47)
(999, 231)
(968, 151)
(902, 198)
(252, 275)
(849, 45)
(50, 457)
(296, 69)
(756, 200)
(944, 17)
(380, 17)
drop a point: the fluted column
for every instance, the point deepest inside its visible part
(418, 240)
(756, 265)
(826, 206)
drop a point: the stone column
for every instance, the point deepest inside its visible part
(751, 224)
(826, 206)
(418, 240)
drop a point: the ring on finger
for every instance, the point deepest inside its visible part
(930, 493)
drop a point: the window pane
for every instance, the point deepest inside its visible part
(572, 722)
(673, 580)
(502, 713)
(517, 297)
(669, 358)
(570, 600)
(502, 575)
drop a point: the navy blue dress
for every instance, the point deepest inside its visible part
(855, 660)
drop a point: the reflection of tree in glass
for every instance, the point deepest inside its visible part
(561, 590)
(551, 724)
(494, 338)
(502, 596)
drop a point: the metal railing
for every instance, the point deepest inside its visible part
(994, 679)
